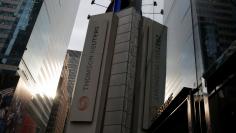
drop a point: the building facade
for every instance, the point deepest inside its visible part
(121, 76)
(73, 66)
(200, 43)
(61, 103)
(181, 71)
(207, 30)
(17, 19)
(33, 48)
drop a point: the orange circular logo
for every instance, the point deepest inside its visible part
(83, 103)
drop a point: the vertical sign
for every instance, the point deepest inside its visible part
(84, 99)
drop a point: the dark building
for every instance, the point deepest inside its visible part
(216, 35)
(33, 46)
(60, 103)
(216, 23)
(73, 67)
(200, 55)
(15, 19)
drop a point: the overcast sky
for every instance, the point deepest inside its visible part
(85, 8)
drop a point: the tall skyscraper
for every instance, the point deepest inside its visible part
(199, 50)
(61, 103)
(181, 71)
(8, 10)
(33, 47)
(217, 26)
(73, 66)
(17, 19)
(207, 29)
(121, 75)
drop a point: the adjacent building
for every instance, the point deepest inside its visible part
(217, 27)
(8, 20)
(199, 32)
(61, 103)
(181, 65)
(200, 54)
(73, 67)
(33, 47)
(16, 17)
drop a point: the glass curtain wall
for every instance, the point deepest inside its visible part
(216, 23)
(199, 32)
(17, 18)
(214, 27)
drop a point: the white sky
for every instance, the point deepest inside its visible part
(85, 8)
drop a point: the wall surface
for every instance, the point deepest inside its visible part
(181, 71)
(73, 66)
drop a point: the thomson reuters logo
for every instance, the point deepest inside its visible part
(83, 103)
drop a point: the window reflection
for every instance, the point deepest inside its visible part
(16, 23)
(217, 25)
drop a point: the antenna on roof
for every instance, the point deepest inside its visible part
(93, 3)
